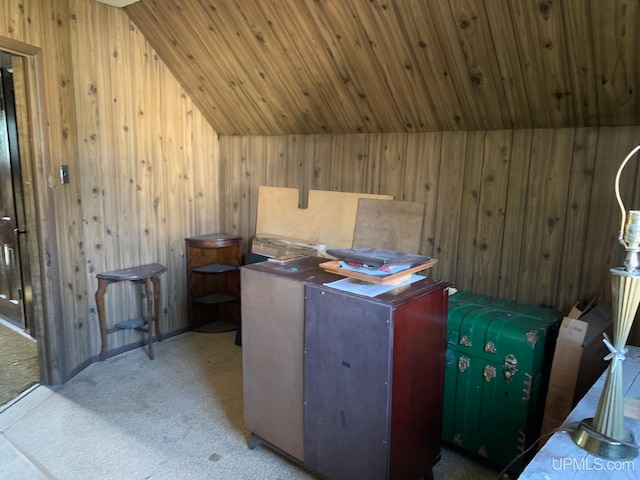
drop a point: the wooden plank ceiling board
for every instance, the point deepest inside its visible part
(329, 219)
(391, 225)
(256, 67)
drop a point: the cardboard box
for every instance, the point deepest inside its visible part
(578, 362)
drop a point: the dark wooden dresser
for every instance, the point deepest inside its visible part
(348, 385)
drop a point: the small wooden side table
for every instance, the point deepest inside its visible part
(149, 275)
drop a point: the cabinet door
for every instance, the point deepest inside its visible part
(272, 359)
(347, 385)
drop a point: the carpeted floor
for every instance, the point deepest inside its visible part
(178, 416)
(18, 363)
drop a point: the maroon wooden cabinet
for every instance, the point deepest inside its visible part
(373, 385)
(348, 385)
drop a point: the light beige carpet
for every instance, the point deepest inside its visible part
(178, 416)
(18, 363)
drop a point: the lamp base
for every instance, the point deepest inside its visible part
(594, 442)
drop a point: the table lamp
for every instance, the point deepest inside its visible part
(605, 435)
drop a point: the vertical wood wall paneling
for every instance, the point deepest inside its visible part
(255, 168)
(512, 246)
(107, 251)
(122, 302)
(535, 237)
(355, 163)
(144, 110)
(492, 208)
(231, 193)
(13, 21)
(174, 190)
(67, 198)
(545, 214)
(603, 251)
(275, 158)
(577, 216)
(317, 157)
(471, 184)
(112, 110)
(337, 155)
(295, 166)
(421, 184)
(124, 167)
(376, 149)
(449, 206)
(205, 177)
(83, 40)
(392, 165)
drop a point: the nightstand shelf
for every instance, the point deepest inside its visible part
(213, 278)
(214, 268)
(216, 297)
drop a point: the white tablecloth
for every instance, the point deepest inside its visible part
(561, 458)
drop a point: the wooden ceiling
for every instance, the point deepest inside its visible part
(262, 67)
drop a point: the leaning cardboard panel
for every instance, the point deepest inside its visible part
(329, 219)
(578, 361)
(389, 225)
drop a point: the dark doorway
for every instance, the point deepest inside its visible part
(14, 285)
(18, 355)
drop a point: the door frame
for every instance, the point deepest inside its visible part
(40, 216)
(15, 312)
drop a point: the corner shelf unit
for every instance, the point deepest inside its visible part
(213, 278)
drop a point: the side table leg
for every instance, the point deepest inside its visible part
(102, 288)
(156, 309)
(149, 293)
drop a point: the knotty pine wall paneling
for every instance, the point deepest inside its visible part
(143, 170)
(602, 249)
(528, 215)
(513, 239)
(316, 158)
(469, 208)
(447, 201)
(579, 191)
(389, 170)
(231, 163)
(419, 183)
(492, 208)
(156, 162)
(545, 214)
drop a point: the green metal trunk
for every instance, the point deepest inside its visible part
(496, 374)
